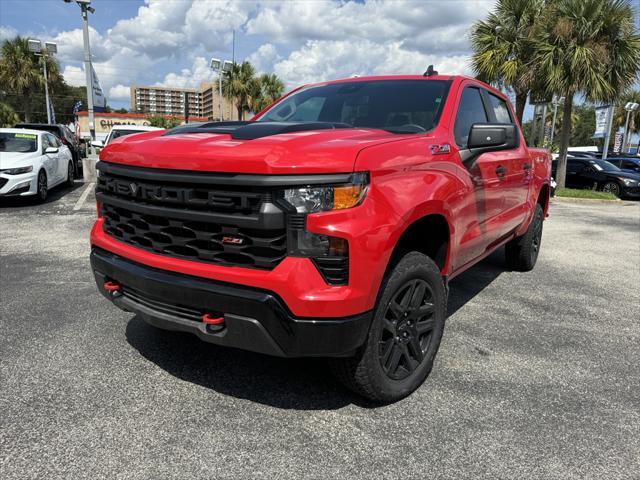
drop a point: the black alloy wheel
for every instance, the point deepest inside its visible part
(42, 186)
(407, 326)
(612, 187)
(70, 174)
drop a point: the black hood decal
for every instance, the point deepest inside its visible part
(253, 130)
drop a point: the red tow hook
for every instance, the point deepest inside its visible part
(209, 320)
(112, 287)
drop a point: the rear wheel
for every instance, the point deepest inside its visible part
(70, 174)
(612, 187)
(404, 336)
(522, 252)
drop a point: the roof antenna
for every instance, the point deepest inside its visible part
(430, 71)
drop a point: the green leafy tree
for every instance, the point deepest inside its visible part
(587, 46)
(163, 122)
(503, 46)
(241, 86)
(8, 116)
(620, 114)
(271, 89)
(21, 75)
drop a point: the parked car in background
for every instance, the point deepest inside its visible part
(599, 175)
(120, 131)
(66, 136)
(32, 162)
(626, 164)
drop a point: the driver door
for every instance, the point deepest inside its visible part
(49, 160)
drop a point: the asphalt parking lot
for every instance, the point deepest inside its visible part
(537, 376)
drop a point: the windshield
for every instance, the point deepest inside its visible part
(18, 142)
(603, 165)
(399, 106)
(122, 133)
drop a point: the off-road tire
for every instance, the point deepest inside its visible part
(363, 373)
(521, 253)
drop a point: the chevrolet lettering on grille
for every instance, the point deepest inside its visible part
(178, 195)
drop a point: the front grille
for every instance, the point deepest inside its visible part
(237, 226)
(3, 181)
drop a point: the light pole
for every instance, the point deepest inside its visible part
(220, 67)
(85, 6)
(556, 101)
(629, 107)
(49, 48)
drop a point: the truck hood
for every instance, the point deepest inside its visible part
(314, 151)
(17, 159)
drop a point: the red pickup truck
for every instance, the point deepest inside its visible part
(329, 225)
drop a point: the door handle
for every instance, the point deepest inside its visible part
(526, 166)
(500, 170)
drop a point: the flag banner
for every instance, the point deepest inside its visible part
(99, 100)
(601, 121)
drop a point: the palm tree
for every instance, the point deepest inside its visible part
(240, 85)
(271, 89)
(504, 48)
(620, 114)
(21, 72)
(8, 116)
(588, 46)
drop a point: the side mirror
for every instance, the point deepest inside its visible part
(97, 143)
(490, 137)
(51, 150)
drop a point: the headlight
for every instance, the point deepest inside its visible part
(322, 198)
(629, 182)
(17, 171)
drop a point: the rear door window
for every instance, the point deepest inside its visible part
(500, 109)
(471, 110)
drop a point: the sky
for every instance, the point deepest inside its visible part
(170, 42)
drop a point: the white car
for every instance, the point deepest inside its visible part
(32, 162)
(122, 130)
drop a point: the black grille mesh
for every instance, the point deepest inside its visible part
(196, 240)
(3, 181)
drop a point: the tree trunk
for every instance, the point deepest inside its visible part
(521, 101)
(240, 112)
(565, 137)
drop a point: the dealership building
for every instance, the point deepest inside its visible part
(104, 122)
(202, 101)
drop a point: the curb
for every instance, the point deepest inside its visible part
(617, 201)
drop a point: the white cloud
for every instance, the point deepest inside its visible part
(190, 77)
(74, 76)
(170, 42)
(264, 58)
(320, 60)
(119, 92)
(7, 33)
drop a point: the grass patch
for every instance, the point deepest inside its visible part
(576, 193)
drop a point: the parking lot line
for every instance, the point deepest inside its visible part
(84, 196)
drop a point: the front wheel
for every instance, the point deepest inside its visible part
(612, 187)
(43, 188)
(522, 252)
(405, 333)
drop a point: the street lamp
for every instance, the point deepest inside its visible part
(220, 67)
(629, 107)
(556, 101)
(85, 6)
(45, 51)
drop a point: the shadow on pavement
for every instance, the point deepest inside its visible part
(301, 384)
(55, 194)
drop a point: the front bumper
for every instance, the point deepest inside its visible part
(633, 192)
(14, 185)
(256, 320)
